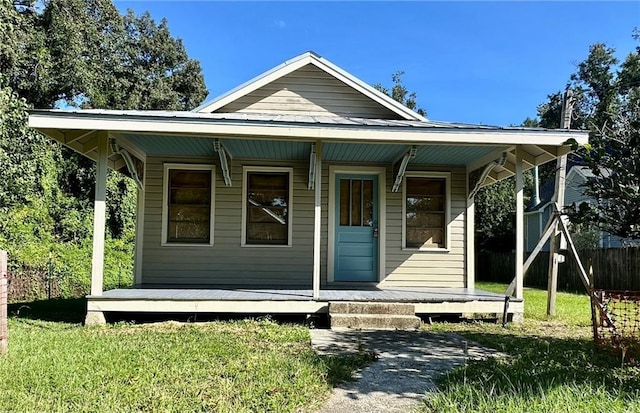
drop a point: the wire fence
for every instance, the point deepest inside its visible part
(617, 322)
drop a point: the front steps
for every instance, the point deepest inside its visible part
(373, 315)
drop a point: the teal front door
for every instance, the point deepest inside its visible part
(356, 231)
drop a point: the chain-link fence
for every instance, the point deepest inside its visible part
(617, 322)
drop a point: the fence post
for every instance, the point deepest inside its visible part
(4, 298)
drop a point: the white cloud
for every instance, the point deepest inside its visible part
(280, 24)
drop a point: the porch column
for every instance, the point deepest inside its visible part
(99, 211)
(139, 230)
(470, 247)
(317, 221)
(519, 224)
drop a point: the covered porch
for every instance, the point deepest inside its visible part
(478, 155)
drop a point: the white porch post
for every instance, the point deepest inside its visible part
(317, 221)
(519, 224)
(139, 230)
(470, 247)
(99, 212)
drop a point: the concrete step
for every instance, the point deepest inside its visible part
(349, 307)
(374, 321)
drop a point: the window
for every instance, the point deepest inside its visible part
(356, 202)
(267, 206)
(187, 214)
(426, 211)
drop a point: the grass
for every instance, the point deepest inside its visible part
(236, 366)
(55, 364)
(571, 309)
(548, 365)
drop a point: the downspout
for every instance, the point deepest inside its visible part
(536, 187)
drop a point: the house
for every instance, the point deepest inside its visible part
(536, 216)
(300, 188)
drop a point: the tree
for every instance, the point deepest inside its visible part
(607, 101)
(79, 53)
(25, 155)
(615, 186)
(495, 217)
(400, 93)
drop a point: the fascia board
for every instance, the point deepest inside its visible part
(195, 126)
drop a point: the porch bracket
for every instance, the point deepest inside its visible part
(410, 154)
(312, 167)
(485, 173)
(128, 161)
(224, 163)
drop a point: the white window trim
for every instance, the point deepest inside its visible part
(243, 238)
(165, 206)
(447, 215)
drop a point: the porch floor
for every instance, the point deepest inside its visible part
(295, 300)
(396, 294)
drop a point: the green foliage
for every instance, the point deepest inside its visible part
(615, 186)
(243, 366)
(79, 53)
(607, 103)
(547, 366)
(25, 155)
(154, 71)
(495, 207)
(399, 93)
(24, 58)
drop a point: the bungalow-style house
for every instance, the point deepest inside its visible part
(537, 215)
(302, 189)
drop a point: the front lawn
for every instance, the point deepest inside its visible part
(236, 366)
(550, 365)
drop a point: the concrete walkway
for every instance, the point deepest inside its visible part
(408, 363)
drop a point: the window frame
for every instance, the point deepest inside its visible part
(266, 169)
(165, 203)
(447, 210)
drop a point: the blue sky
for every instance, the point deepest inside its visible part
(475, 62)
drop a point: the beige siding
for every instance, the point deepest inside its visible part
(427, 268)
(312, 92)
(226, 262)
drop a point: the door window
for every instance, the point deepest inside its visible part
(356, 202)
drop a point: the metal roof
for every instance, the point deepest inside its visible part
(291, 119)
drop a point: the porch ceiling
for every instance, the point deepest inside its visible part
(171, 145)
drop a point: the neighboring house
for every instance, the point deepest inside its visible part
(536, 216)
(301, 187)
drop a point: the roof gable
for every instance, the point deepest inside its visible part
(309, 85)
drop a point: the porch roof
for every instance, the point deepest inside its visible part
(289, 137)
(338, 128)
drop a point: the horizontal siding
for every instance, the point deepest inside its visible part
(574, 192)
(227, 262)
(410, 268)
(312, 92)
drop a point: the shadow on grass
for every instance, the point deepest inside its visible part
(62, 310)
(341, 368)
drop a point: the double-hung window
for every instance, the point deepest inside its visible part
(426, 211)
(267, 206)
(187, 213)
